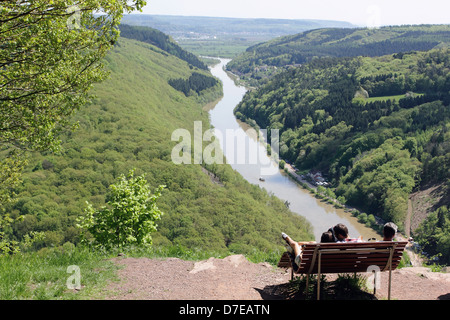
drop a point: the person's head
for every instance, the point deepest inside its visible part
(327, 237)
(389, 231)
(340, 232)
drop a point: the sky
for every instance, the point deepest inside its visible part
(358, 12)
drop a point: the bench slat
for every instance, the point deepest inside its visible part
(336, 258)
(351, 262)
(345, 247)
(343, 259)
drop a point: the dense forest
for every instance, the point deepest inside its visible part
(262, 60)
(378, 127)
(197, 82)
(162, 41)
(129, 125)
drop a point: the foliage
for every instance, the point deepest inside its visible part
(50, 55)
(347, 285)
(434, 235)
(302, 48)
(130, 218)
(382, 180)
(11, 166)
(7, 247)
(48, 66)
(197, 82)
(162, 41)
(129, 125)
(375, 153)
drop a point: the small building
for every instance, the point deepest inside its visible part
(318, 178)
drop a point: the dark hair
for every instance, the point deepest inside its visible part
(333, 236)
(340, 229)
(389, 230)
(327, 237)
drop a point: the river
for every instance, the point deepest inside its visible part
(321, 215)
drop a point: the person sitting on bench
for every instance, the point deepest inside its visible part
(295, 254)
(389, 231)
(338, 233)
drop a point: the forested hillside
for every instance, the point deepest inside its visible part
(162, 41)
(259, 62)
(129, 125)
(378, 127)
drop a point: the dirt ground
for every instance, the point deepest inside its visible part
(235, 278)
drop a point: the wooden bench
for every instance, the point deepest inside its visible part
(348, 257)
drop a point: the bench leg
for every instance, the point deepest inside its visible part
(307, 285)
(389, 288)
(374, 283)
(318, 276)
(390, 273)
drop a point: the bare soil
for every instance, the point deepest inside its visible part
(235, 278)
(423, 202)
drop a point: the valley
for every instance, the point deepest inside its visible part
(237, 129)
(225, 37)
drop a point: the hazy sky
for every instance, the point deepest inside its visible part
(360, 12)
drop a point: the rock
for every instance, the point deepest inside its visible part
(266, 265)
(203, 265)
(236, 260)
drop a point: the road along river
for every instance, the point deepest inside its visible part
(256, 165)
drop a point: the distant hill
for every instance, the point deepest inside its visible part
(225, 37)
(262, 60)
(193, 27)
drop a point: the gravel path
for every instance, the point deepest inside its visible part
(235, 278)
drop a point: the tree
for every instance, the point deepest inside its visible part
(321, 190)
(433, 234)
(342, 200)
(9, 247)
(50, 56)
(130, 218)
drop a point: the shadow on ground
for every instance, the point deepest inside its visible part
(343, 288)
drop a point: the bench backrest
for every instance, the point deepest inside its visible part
(350, 256)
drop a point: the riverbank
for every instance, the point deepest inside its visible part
(319, 213)
(293, 173)
(374, 223)
(415, 259)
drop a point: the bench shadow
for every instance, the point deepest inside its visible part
(444, 297)
(292, 291)
(280, 292)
